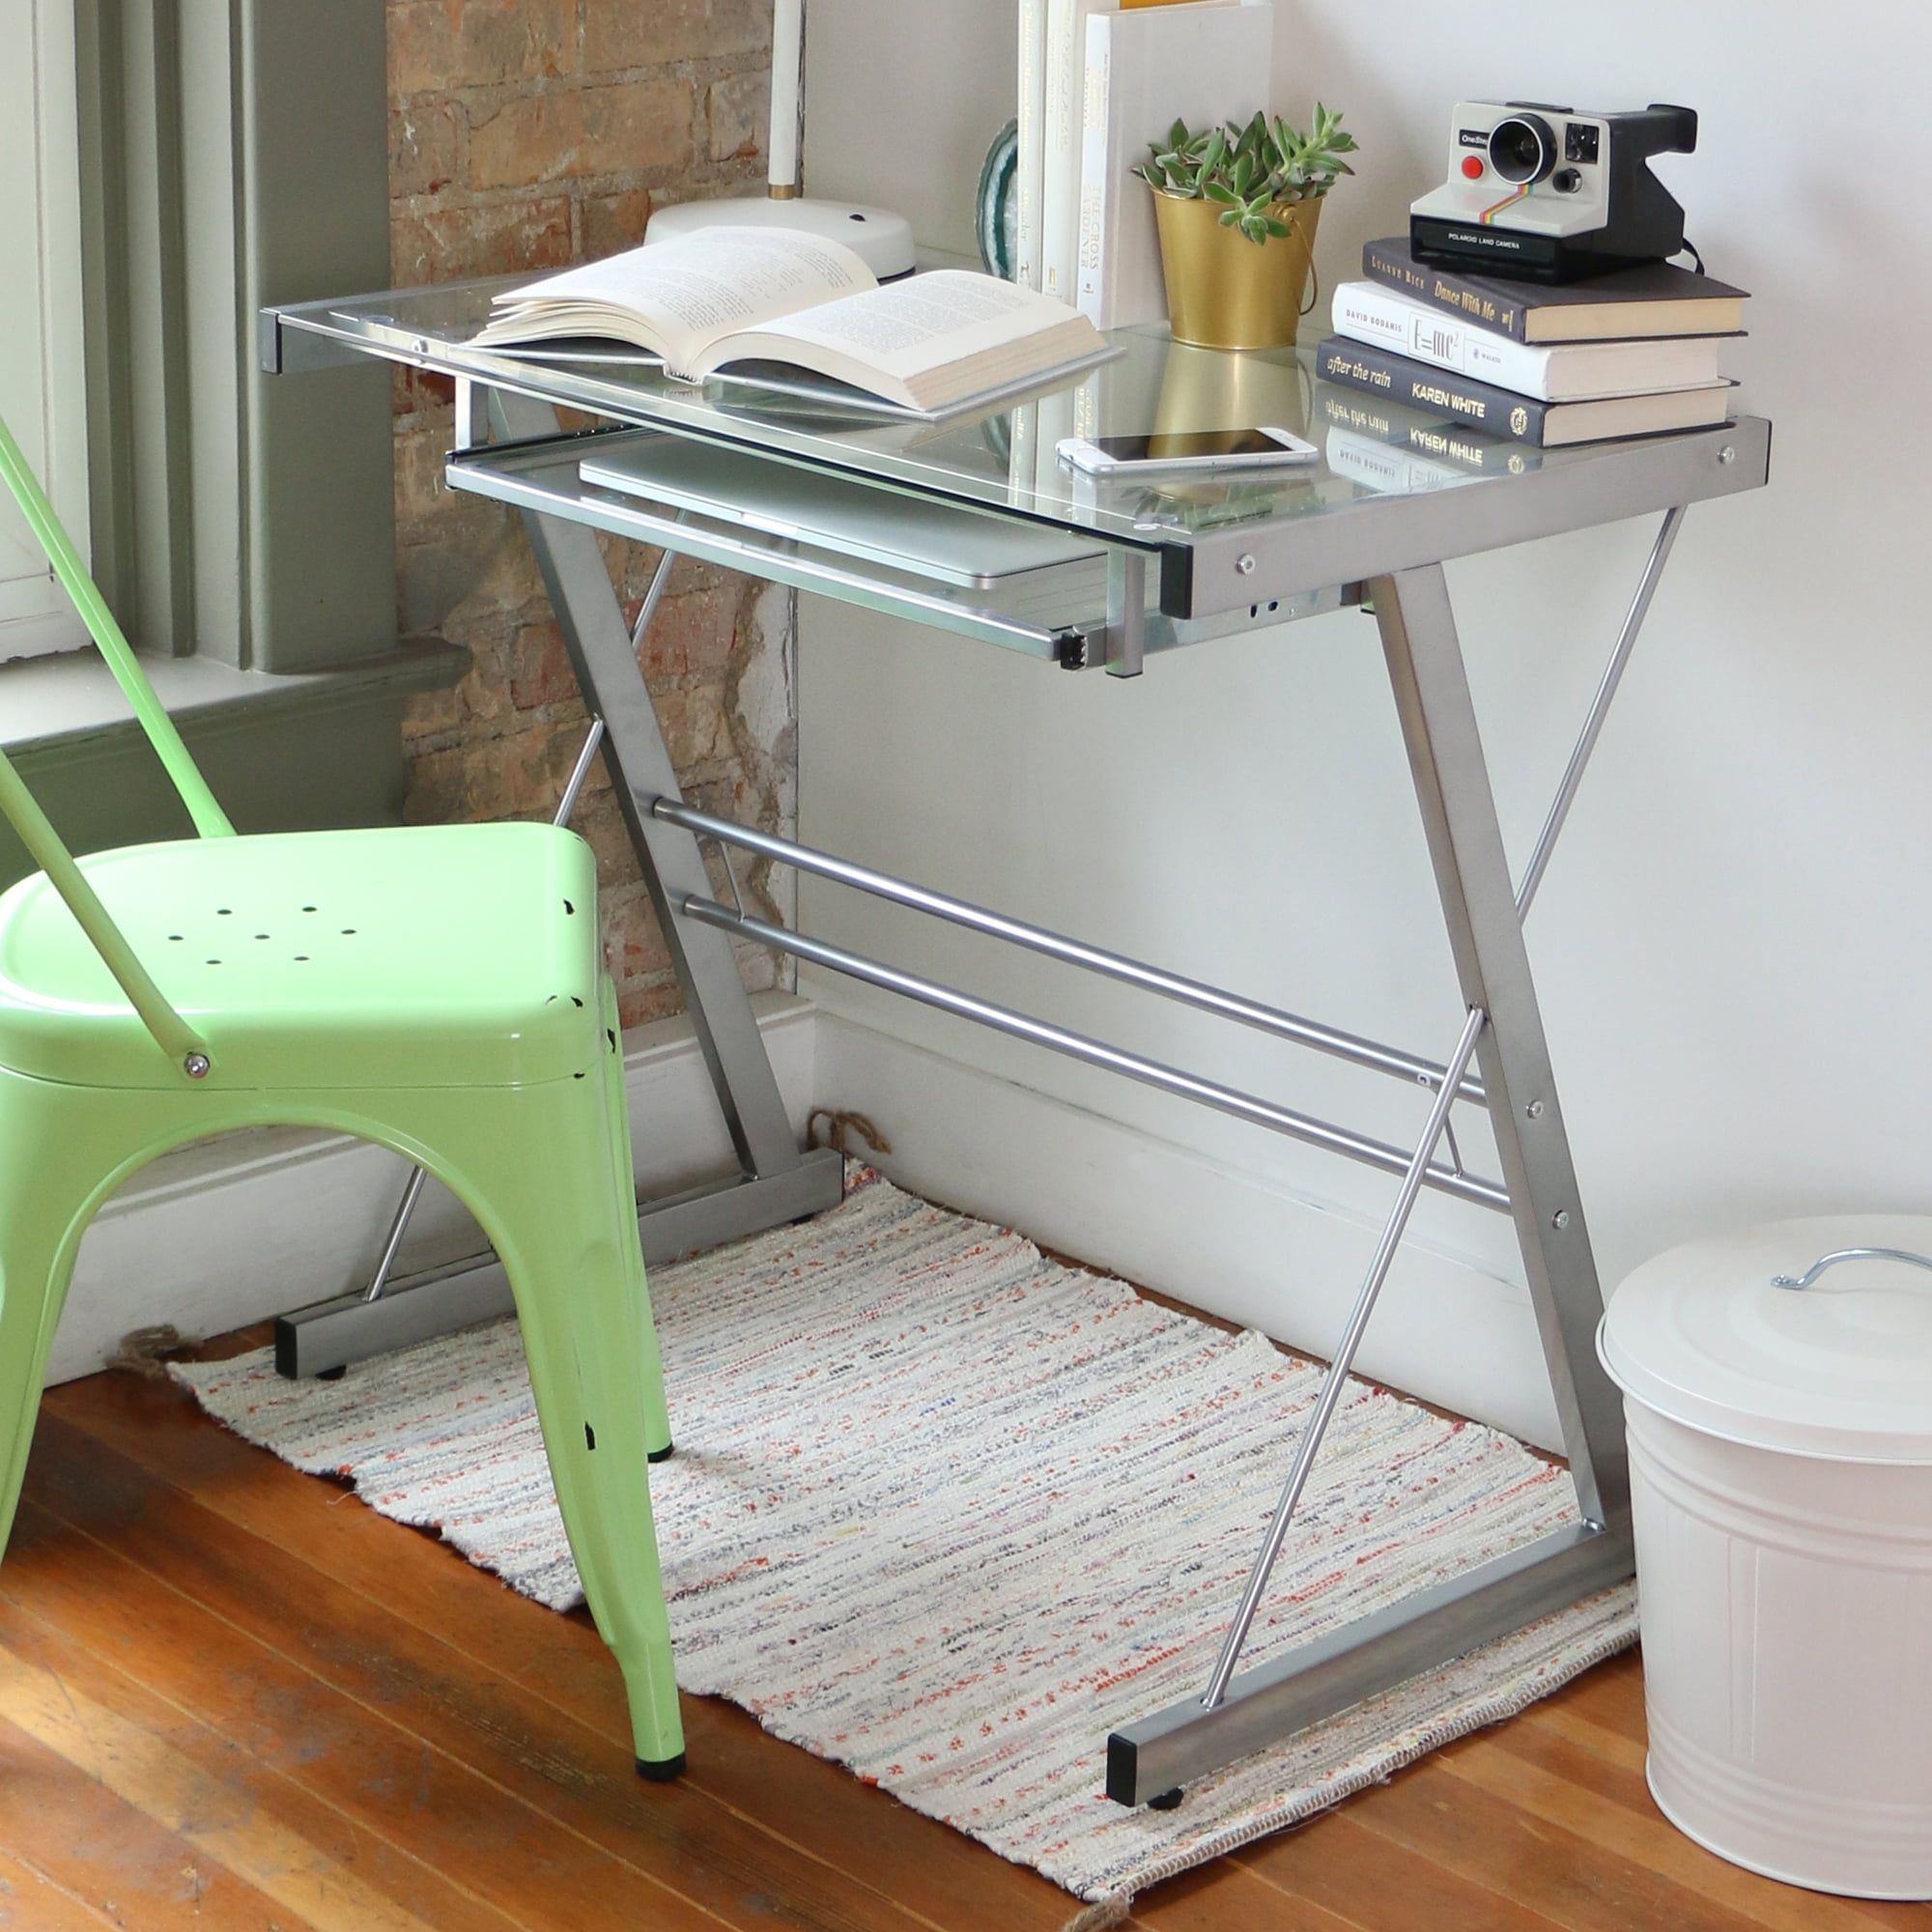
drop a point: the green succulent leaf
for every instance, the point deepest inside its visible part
(1247, 167)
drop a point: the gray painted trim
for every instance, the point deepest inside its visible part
(318, 514)
(53, 705)
(234, 517)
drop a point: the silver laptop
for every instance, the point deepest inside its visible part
(852, 519)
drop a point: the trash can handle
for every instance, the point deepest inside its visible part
(1824, 1262)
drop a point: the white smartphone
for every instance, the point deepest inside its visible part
(1186, 449)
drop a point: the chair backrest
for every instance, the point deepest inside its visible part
(172, 1034)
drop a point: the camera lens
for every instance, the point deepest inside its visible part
(1521, 148)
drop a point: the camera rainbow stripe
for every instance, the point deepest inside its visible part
(1488, 215)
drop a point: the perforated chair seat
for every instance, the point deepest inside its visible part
(405, 956)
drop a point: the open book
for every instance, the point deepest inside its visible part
(730, 299)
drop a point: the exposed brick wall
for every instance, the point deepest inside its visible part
(529, 134)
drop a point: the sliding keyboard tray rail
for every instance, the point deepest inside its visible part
(1061, 615)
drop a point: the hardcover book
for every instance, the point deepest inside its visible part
(752, 304)
(1656, 298)
(1030, 179)
(1063, 117)
(1361, 365)
(1557, 371)
(1144, 69)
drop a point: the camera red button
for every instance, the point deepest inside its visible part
(1473, 166)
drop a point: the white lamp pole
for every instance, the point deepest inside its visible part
(787, 132)
(883, 238)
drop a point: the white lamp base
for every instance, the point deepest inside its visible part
(881, 239)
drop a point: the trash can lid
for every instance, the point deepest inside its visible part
(1838, 1368)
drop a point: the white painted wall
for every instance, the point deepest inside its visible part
(1733, 942)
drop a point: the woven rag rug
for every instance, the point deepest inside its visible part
(946, 1511)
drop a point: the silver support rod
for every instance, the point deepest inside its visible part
(1126, 613)
(1337, 1378)
(392, 1241)
(579, 772)
(1098, 1053)
(1600, 707)
(1076, 953)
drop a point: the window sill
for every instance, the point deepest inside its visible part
(69, 702)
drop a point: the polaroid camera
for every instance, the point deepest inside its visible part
(1546, 194)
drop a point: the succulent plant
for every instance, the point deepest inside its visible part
(1250, 169)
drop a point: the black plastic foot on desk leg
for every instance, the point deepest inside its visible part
(661, 1769)
(660, 1455)
(333, 1375)
(1166, 1801)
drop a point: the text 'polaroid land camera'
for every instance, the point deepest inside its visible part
(1546, 194)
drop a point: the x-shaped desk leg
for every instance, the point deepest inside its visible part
(1503, 1030)
(775, 1183)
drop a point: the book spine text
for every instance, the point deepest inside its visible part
(1097, 185)
(1420, 282)
(1366, 312)
(1032, 141)
(1361, 365)
(1060, 188)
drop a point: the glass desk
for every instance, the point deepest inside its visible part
(1159, 565)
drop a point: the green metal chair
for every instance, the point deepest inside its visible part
(439, 989)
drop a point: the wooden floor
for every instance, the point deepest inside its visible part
(231, 1697)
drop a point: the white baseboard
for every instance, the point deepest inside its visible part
(1233, 1243)
(235, 1230)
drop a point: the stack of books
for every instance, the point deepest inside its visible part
(1630, 354)
(1099, 80)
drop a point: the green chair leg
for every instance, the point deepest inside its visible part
(541, 1186)
(657, 1417)
(59, 1146)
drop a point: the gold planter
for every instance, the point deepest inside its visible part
(1224, 291)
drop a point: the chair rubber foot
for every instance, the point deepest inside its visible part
(661, 1769)
(660, 1455)
(1165, 1800)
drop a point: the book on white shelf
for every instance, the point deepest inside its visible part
(1565, 372)
(1029, 176)
(760, 305)
(1145, 67)
(1061, 119)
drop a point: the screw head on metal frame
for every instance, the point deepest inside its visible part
(195, 1066)
(1560, 1219)
(1245, 564)
(1534, 1111)
(1728, 454)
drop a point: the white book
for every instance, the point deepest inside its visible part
(1060, 168)
(1145, 68)
(1559, 371)
(1030, 173)
(739, 303)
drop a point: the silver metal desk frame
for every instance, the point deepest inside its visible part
(1391, 554)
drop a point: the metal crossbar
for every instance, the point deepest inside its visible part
(1098, 1052)
(1332, 1040)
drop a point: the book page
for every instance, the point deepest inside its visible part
(910, 326)
(689, 292)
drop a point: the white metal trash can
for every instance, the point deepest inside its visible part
(1780, 1441)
